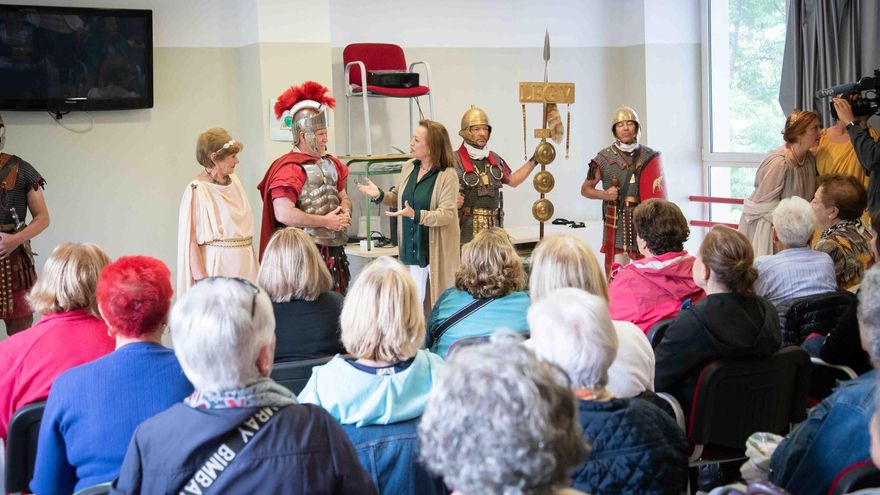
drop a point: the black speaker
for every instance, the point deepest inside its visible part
(392, 78)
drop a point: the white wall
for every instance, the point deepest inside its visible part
(119, 181)
(640, 53)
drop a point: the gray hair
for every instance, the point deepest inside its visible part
(571, 328)
(869, 313)
(502, 421)
(218, 328)
(794, 221)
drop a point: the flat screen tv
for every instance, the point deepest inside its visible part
(63, 58)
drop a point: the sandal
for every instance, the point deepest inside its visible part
(576, 225)
(561, 221)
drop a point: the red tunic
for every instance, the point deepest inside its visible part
(285, 178)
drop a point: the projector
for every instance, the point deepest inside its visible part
(392, 78)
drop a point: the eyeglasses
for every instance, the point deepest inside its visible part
(247, 283)
(226, 146)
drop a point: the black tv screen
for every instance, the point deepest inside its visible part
(63, 58)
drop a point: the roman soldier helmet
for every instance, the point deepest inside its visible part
(623, 114)
(474, 116)
(306, 105)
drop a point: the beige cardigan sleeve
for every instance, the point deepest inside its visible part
(446, 211)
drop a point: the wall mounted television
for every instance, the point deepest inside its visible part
(63, 58)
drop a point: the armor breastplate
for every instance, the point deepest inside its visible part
(319, 196)
(613, 164)
(479, 193)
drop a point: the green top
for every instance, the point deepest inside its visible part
(414, 237)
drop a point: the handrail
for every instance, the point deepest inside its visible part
(713, 199)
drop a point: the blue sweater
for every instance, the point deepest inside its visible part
(93, 410)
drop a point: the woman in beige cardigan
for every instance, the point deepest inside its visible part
(425, 199)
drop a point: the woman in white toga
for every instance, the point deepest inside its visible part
(216, 227)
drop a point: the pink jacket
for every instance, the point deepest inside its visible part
(33, 358)
(651, 289)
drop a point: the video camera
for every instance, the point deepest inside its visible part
(862, 95)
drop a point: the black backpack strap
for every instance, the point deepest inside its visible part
(457, 317)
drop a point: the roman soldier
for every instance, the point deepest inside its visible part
(481, 173)
(630, 173)
(305, 187)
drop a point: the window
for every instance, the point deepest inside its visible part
(743, 45)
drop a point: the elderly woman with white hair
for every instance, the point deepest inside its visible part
(637, 448)
(796, 270)
(240, 432)
(388, 378)
(502, 421)
(565, 261)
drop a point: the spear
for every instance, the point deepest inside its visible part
(546, 55)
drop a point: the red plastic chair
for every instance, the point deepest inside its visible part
(358, 59)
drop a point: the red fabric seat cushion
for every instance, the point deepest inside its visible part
(394, 92)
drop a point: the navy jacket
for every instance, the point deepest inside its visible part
(637, 448)
(390, 454)
(300, 450)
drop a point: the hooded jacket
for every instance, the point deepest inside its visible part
(357, 397)
(653, 289)
(720, 326)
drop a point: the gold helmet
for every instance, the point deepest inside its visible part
(623, 114)
(474, 116)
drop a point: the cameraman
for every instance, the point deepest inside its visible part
(867, 150)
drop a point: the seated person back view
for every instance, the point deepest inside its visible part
(834, 435)
(70, 332)
(387, 381)
(731, 322)
(488, 293)
(839, 203)
(94, 408)
(796, 270)
(653, 288)
(561, 261)
(637, 447)
(502, 421)
(301, 288)
(238, 419)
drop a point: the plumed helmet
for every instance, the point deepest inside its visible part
(306, 105)
(474, 116)
(623, 114)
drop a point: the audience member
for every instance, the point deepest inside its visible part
(730, 322)
(81, 445)
(637, 448)
(388, 379)
(306, 307)
(833, 436)
(839, 203)
(488, 294)
(843, 344)
(796, 270)
(653, 288)
(69, 334)
(562, 261)
(240, 426)
(502, 421)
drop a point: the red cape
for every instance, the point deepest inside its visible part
(280, 175)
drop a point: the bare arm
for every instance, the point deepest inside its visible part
(287, 213)
(39, 222)
(522, 173)
(345, 202)
(588, 188)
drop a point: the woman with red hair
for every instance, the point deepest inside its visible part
(94, 409)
